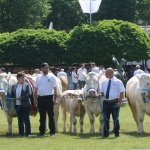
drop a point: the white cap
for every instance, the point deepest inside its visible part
(61, 69)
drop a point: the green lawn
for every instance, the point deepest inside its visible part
(128, 138)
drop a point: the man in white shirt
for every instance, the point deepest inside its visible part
(45, 88)
(138, 71)
(74, 78)
(112, 90)
(2, 71)
(61, 73)
(94, 68)
(80, 76)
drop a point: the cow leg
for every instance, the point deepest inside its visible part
(92, 120)
(56, 115)
(74, 121)
(81, 123)
(140, 115)
(9, 120)
(101, 120)
(64, 118)
(70, 128)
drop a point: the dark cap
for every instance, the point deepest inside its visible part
(43, 65)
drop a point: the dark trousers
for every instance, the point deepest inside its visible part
(109, 108)
(81, 84)
(74, 86)
(46, 105)
(23, 118)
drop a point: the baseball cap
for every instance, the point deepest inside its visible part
(43, 65)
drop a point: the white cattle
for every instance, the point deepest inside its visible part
(72, 103)
(138, 91)
(91, 102)
(6, 81)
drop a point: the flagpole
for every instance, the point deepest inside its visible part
(90, 14)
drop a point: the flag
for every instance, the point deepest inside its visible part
(51, 26)
(90, 7)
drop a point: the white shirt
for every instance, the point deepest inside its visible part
(79, 72)
(61, 73)
(74, 80)
(138, 71)
(116, 88)
(45, 84)
(146, 71)
(95, 69)
(18, 93)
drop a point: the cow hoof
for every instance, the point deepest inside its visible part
(138, 132)
(91, 133)
(8, 133)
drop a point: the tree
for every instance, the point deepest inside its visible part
(99, 41)
(143, 12)
(65, 14)
(114, 9)
(16, 14)
(29, 48)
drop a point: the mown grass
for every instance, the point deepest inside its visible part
(128, 138)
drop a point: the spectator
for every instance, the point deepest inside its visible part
(94, 68)
(36, 73)
(138, 70)
(103, 69)
(61, 73)
(131, 71)
(80, 76)
(2, 71)
(74, 78)
(146, 70)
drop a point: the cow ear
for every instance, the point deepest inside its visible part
(8, 75)
(84, 75)
(98, 76)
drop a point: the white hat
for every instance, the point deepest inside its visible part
(61, 69)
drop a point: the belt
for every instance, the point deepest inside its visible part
(111, 101)
(46, 96)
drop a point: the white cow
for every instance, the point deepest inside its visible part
(91, 102)
(138, 91)
(6, 81)
(72, 103)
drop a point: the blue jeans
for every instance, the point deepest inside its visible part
(81, 84)
(109, 108)
(23, 118)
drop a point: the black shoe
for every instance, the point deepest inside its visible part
(105, 136)
(40, 134)
(116, 135)
(28, 135)
(52, 134)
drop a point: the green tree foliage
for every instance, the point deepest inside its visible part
(29, 48)
(116, 9)
(16, 14)
(65, 14)
(143, 12)
(99, 41)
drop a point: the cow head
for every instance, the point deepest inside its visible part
(144, 82)
(92, 83)
(3, 84)
(78, 95)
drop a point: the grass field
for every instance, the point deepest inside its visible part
(128, 139)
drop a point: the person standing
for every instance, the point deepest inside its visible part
(45, 88)
(146, 70)
(61, 73)
(138, 71)
(94, 68)
(80, 76)
(112, 90)
(36, 73)
(22, 92)
(74, 78)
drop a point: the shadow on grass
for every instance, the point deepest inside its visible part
(134, 134)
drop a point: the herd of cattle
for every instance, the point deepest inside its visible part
(79, 102)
